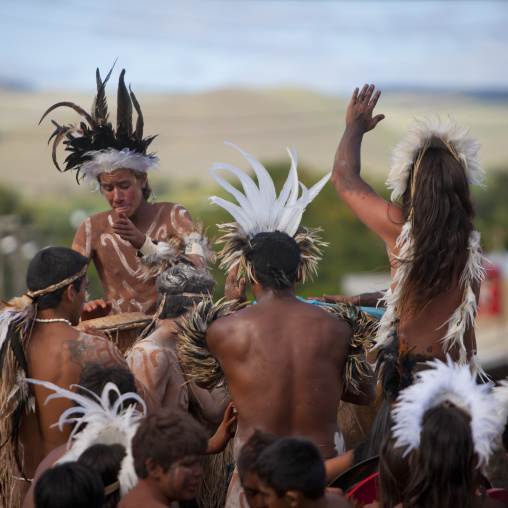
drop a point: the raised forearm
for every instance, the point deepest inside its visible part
(347, 162)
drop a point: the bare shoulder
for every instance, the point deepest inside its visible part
(171, 210)
(92, 349)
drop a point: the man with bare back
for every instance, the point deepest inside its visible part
(284, 359)
(154, 360)
(39, 341)
(117, 162)
(434, 251)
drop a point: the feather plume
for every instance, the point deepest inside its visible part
(100, 105)
(124, 108)
(447, 382)
(105, 423)
(422, 132)
(168, 254)
(193, 353)
(363, 326)
(94, 147)
(259, 208)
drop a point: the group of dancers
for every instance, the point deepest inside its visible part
(271, 374)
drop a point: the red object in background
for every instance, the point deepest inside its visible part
(490, 292)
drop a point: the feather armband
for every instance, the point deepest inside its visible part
(364, 328)
(193, 353)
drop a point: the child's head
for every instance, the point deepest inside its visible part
(69, 484)
(291, 471)
(246, 463)
(107, 461)
(167, 450)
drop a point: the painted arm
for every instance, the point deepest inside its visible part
(381, 217)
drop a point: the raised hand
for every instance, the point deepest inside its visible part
(360, 109)
(96, 309)
(127, 231)
(235, 290)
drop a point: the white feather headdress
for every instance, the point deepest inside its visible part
(464, 145)
(106, 423)
(456, 384)
(260, 210)
(407, 153)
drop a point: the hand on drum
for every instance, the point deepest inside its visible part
(96, 309)
(92, 330)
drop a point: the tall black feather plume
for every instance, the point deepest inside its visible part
(124, 110)
(100, 106)
(96, 133)
(139, 122)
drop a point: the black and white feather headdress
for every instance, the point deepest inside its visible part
(259, 210)
(94, 145)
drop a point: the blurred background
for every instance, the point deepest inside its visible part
(262, 74)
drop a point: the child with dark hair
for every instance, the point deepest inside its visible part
(246, 465)
(167, 449)
(70, 484)
(292, 473)
(107, 461)
(92, 380)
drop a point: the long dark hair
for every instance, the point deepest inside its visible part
(442, 211)
(444, 470)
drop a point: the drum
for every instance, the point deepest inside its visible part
(122, 329)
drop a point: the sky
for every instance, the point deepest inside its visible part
(191, 46)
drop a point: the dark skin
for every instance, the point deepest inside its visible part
(57, 353)
(423, 331)
(294, 354)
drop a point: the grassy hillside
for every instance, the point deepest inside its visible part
(192, 129)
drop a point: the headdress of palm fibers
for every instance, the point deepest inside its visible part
(259, 210)
(454, 383)
(106, 423)
(409, 154)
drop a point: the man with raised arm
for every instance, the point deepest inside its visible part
(286, 362)
(434, 251)
(117, 162)
(38, 340)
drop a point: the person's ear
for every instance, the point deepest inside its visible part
(142, 181)
(153, 468)
(69, 293)
(292, 498)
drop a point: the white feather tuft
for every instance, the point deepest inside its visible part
(105, 423)
(107, 161)
(448, 382)
(259, 208)
(420, 132)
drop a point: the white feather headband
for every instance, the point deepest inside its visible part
(454, 383)
(260, 211)
(420, 133)
(107, 161)
(106, 423)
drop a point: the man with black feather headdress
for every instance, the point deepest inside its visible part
(117, 162)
